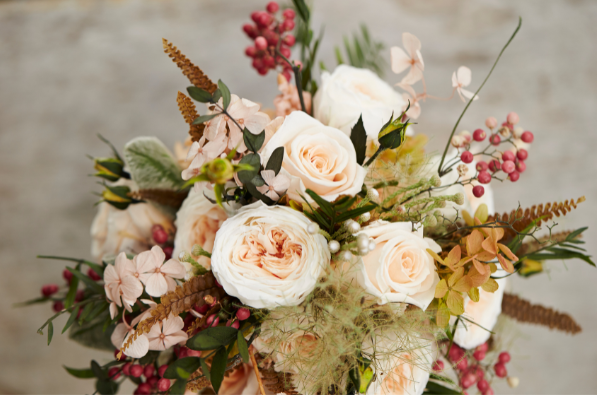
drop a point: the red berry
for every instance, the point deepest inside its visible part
(49, 290)
(262, 71)
(163, 385)
(484, 347)
(482, 385)
(504, 357)
(495, 165)
(260, 43)
(508, 166)
(271, 37)
(285, 51)
(212, 320)
(466, 157)
(287, 25)
(491, 122)
(193, 353)
(159, 234)
(114, 373)
(484, 177)
(520, 166)
(527, 137)
(489, 391)
(162, 369)
(93, 275)
(250, 30)
(479, 355)
(456, 353)
(495, 139)
(514, 176)
(79, 296)
(183, 352)
(468, 380)
(478, 191)
(508, 125)
(462, 364)
(479, 135)
(251, 51)
(464, 392)
(202, 309)
(268, 61)
(126, 369)
(438, 365)
(288, 14)
(508, 156)
(522, 154)
(143, 389)
(243, 314)
(272, 7)
(168, 252)
(264, 19)
(512, 118)
(500, 370)
(286, 75)
(255, 15)
(122, 358)
(235, 324)
(68, 275)
(137, 370)
(481, 166)
(58, 306)
(479, 373)
(257, 63)
(153, 381)
(149, 370)
(289, 40)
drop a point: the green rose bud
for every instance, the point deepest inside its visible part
(109, 168)
(117, 196)
(218, 171)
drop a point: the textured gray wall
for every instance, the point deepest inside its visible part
(71, 69)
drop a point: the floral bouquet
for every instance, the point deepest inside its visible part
(315, 248)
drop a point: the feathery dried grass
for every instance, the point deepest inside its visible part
(523, 311)
(191, 71)
(189, 113)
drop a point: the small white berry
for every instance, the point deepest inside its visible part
(313, 228)
(372, 245)
(366, 216)
(334, 246)
(363, 251)
(353, 227)
(181, 256)
(347, 256)
(363, 241)
(373, 194)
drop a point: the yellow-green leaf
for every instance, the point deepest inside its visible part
(467, 218)
(490, 285)
(443, 316)
(477, 279)
(436, 256)
(457, 275)
(455, 303)
(482, 213)
(441, 288)
(463, 285)
(474, 294)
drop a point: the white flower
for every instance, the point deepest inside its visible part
(197, 222)
(274, 185)
(461, 79)
(265, 257)
(140, 346)
(349, 92)
(485, 312)
(158, 276)
(122, 287)
(200, 153)
(399, 269)
(166, 334)
(413, 60)
(316, 157)
(114, 231)
(404, 363)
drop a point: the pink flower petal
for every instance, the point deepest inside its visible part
(131, 288)
(156, 285)
(454, 80)
(408, 89)
(159, 255)
(155, 331)
(281, 183)
(118, 335)
(146, 262)
(173, 268)
(269, 176)
(257, 122)
(413, 76)
(138, 348)
(273, 195)
(399, 59)
(110, 275)
(174, 339)
(172, 325)
(411, 44)
(464, 76)
(113, 310)
(468, 94)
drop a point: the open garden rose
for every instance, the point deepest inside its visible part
(404, 366)
(316, 157)
(399, 269)
(197, 223)
(265, 256)
(485, 313)
(349, 92)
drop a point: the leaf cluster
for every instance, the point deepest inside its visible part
(363, 52)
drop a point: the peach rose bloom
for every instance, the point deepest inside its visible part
(316, 157)
(399, 269)
(197, 222)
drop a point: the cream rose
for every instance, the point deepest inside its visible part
(114, 231)
(316, 157)
(265, 257)
(404, 363)
(399, 269)
(197, 222)
(485, 312)
(349, 92)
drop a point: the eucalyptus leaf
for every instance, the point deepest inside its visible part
(179, 388)
(225, 94)
(152, 165)
(71, 319)
(218, 368)
(358, 136)
(253, 141)
(72, 291)
(243, 349)
(150, 358)
(217, 95)
(204, 118)
(245, 176)
(258, 181)
(212, 338)
(80, 373)
(92, 335)
(88, 281)
(97, 370)
(199, 94)
(434, 388)
(275, 160)
(50, 332)
(187, 364)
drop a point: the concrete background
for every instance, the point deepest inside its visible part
(71, 69)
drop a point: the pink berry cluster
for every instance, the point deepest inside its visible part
(512, 161)
(270, 33)
(162, 238)
(231, 314)
(148, 379)
(470, 369)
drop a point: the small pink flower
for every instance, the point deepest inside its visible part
(140, 345)
(202, 153)
(274, 185)
(412, 59)
(460, 79)
(289, 101)
(158, 276)
(167, 334)
(122, 287)
(410, 96)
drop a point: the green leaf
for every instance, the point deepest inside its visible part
(217, 95)
(149, 358)
(179, 388)
(302, 9)
(50, 332)
(80, 373)
(355, 213)
(106, 387)
(100, 306)
(339, 58)
(392, 139)
(243, 349)
(434, 388)
(245, 176)
(92, 335)
(225, 94)
(71, 319)
(186, 364)
(72, 291)
(205, 369)
(275, 160)
(86, 311)
(355, 377)
(253, 141)
(325, 206)
(199, 95)
(358, 136)
(212, 338)
(33, 301)
(258, 181)
(258, 195)
(204, 118)
(88, 281)
(218, 367)
(152, 165)
(575, 233)
(97, 370)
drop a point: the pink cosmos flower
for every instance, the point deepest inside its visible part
(167, 334)
(158, 276)
(412, 59)
(200, 153)
(410, 96)
(122, 287)
(274, 185)
(460, 79)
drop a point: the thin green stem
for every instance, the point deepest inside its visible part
(297, 78)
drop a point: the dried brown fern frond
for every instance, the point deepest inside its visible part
(274, 381)
(199, 322)
(541, 242)
(170, 198)
(523, 311)
(520, 219)
(182, 299)
(189, 113)
(191, 71)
